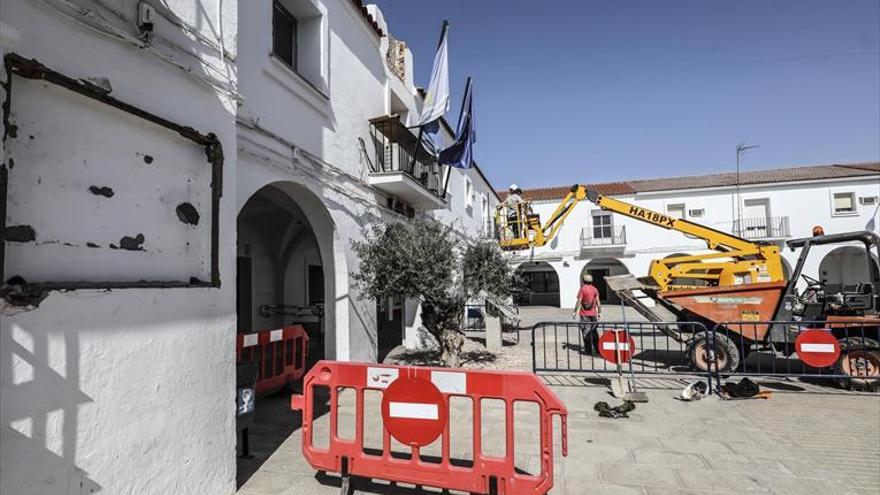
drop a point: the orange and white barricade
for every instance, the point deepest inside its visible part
(280, 355)
(415, 412)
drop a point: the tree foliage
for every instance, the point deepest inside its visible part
(424, 260)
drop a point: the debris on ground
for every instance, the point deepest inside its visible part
(745, 389)
(621, 411)
(694, 391)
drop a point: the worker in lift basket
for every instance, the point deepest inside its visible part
(512, 203)
(588, 308)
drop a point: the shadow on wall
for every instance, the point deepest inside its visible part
(41, 400)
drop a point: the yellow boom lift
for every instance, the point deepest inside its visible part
(735, 262)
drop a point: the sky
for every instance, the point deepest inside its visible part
(595, 91)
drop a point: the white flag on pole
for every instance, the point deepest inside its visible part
(437, 98)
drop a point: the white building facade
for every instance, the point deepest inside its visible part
(171, 170)
(768, 206)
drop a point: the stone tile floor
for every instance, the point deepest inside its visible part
(806, 439)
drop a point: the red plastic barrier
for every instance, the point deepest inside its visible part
(280, 355)
(416, 411)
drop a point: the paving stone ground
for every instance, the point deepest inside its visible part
(804, 440)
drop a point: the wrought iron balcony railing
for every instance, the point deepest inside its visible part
(395, 145)
(761, 228)
(603, 235)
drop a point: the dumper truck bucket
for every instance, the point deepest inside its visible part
(748, 302)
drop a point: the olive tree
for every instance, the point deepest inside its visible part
(427, 261)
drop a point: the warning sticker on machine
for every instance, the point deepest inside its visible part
(750, 316)
(734, 300)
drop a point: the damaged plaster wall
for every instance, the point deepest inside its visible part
(126, 390)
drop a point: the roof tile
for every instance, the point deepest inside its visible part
(750, 177)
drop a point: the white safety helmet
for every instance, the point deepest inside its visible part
(587, 278)
(513, 187)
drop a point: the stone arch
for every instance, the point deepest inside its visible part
(295, 225)
(540, 284)
(844, 267)
(600, 268)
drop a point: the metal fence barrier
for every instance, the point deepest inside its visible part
(843, 351)
(571, 347)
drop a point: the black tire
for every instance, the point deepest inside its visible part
(727, 356)
(860, 361)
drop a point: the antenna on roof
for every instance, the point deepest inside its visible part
(740, 149)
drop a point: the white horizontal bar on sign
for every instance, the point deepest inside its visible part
(251, 339)
(450, 382)
(413, 410)
(276, 335)
(609, 346)
(829, 348)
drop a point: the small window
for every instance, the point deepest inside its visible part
(283, 34)
(675, 210)
(868, 200)
(468, 192)
(844, 203)
(602, 225)
(697, 212)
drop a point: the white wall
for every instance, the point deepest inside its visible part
(126, 390)
(806, 204)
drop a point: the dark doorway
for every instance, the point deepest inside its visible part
(540, 285)
(316, 284)
(244, 287)
(599, 275)
(390, 328)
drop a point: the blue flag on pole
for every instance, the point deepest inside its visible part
(461, 153)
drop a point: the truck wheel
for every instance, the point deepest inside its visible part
(705, 347)
(860, 362)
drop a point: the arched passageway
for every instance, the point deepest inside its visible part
(539, 284)
(284, 273)
(280, 271)
(845, 267)
(600, 268)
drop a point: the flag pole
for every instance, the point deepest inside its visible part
(412, 164)
(467, 87)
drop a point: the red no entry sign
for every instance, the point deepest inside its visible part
(413, 411)
(817, 347)
(613, 340)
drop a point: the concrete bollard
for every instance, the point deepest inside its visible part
(493, 333)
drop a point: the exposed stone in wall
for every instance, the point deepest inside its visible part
(395, 57)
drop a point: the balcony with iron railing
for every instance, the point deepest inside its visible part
(761, 228)
(393, 170)
(603, 236)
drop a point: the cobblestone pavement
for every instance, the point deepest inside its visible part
(803, 440)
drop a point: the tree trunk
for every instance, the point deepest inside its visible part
(451, 342)
(443, 321)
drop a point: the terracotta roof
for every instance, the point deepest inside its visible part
(608, 188)
(359, 5)
(750, 177)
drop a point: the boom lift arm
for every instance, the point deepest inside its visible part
(737, 261)
(526, 231)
